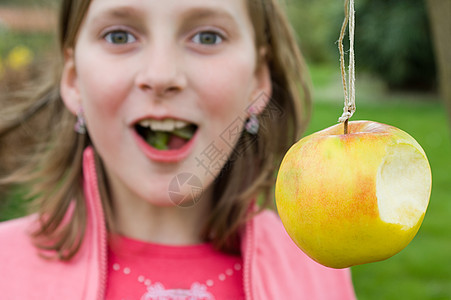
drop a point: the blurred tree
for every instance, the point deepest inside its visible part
(392, 38)
(440, 20)
(393, 41)
(314, 26)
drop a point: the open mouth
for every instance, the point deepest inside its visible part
(167, 134)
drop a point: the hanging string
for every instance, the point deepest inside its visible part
(348, 83)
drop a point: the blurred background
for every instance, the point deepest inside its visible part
(403, 79)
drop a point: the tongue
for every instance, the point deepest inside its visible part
(176, 142)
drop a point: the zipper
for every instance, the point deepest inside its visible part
(250, 241)
(103, 274)
(102, 261)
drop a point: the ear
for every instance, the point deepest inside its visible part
(69, 86)
(263, 88)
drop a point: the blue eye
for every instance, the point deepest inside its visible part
(207, 38)
(120, 37)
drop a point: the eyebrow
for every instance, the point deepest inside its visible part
(122, 12)
(199, 14)
(193, 15)
(202, 13)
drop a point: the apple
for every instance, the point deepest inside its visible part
(355, 198)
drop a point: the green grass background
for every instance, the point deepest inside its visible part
(423, 269)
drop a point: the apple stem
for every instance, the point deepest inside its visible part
(345, 125)
(349, 101)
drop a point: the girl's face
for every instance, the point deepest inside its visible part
(165, 87)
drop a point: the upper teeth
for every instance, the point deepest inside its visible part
(163, 125)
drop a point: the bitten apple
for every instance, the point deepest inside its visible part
(349, 199)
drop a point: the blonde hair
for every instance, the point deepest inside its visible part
(53, 170)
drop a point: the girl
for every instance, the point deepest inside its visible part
(181, 109)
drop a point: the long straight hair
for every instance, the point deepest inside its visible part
(53, 169)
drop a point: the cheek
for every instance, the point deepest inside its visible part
(103, 95)
(102, 86)
(227, 85)
(226, 90)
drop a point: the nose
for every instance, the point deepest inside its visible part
(161, 72)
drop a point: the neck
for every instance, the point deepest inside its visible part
(170, 225)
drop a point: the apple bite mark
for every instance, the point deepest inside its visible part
(167, 134)
(403, 185)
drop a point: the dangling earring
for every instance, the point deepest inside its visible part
(80, 126)
(252, 124)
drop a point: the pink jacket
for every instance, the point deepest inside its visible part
(274, 268)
